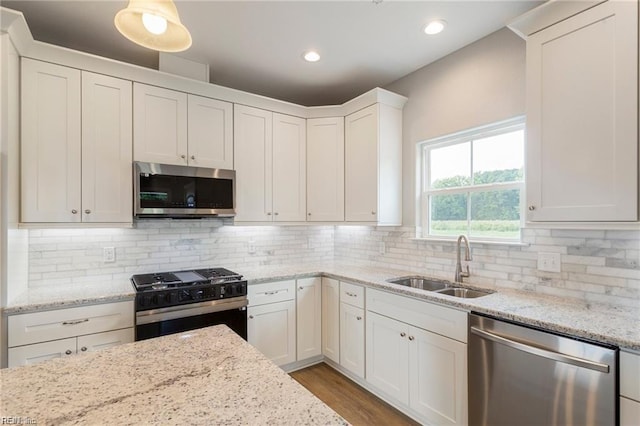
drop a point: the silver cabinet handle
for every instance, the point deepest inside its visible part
(271, 293)
(411, 337)
(544, 353)
(351, 294)
(83, 349)
(87, 211)
(532, 208)
(403, 334)
(75, 322)
(193, 157)
(250, 316)
(358, 318)
(74, 211)
(68, 352)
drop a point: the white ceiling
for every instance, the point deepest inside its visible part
(257, 46)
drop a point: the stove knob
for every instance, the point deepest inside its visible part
(142, 301)
(154, 299)
(170, 298)
(197, 294)
(229, 290)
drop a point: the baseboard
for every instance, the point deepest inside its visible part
(299, 365)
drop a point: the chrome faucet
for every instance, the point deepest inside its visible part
(460, 274)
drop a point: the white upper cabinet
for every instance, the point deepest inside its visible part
(160, 125)
(76, 146)
(51, 136)
(373, 165)
(270, 163)
(325, 169)
(253, 144)
(210, 133)
(106, 149)
(582, 117)
(289, 168)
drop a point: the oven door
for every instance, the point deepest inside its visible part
(175, 319)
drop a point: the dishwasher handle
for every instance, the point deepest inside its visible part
(545, 353)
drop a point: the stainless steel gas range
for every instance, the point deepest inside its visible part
(173, 302)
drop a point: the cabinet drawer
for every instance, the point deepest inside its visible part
(99, 341)
(629, 373)
(428, 316)
(629, 412)
(39, 327)
(279, 291)
(39, 352)
(352, 294)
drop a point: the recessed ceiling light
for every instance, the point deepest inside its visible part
(435, 27)
(311, 56)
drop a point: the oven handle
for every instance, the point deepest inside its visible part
(189, 310)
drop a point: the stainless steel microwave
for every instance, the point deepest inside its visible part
(164, 190)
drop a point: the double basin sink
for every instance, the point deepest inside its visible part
(439, 286)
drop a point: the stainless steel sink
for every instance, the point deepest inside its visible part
(465, 293)
(439, 286)
(423, 283)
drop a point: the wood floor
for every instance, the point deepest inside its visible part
(356, 405)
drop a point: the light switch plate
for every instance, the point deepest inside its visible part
(549, 262)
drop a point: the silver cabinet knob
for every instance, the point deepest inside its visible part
(193, 157)
(250, 316)
(301, 288)
(68, 352)
(183, 156)
(83, 349)
(269, 214)
(308, 214)
(275, 214)
(358, 318)
(87, 211)
(373, 213)
(411, 337)
(74, 211)
(532, 208)
(403, 334)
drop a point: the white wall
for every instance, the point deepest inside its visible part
(479, 84)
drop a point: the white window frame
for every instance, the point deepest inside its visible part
(423, 178)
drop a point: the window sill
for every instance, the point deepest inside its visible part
(471, 241)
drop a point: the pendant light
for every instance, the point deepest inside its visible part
(154, 24)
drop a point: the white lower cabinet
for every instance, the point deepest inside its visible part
(331, 319)
(352, 348)
(39, 336)
(629, 389)
(308, 317)
(418, 368)
(271, 323)
(38, 352)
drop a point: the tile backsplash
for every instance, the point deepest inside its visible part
(596, 266)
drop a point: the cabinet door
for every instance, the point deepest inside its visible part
(387, 356)
(98, 341)
(106, 149)
(438, 380)
(210, 133)
(325, 169)
(289, 168)
(582, 117)
(50, 145)
(361, 165)
(308, 315)
(39, 352)
(252, 130)
(160, 125)
(352, 339)
(629, 412)
(272, 330)
(331, 319)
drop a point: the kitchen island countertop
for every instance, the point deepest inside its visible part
(206, 376)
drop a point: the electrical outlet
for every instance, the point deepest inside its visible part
(549, 262)
(109, 254)
(252, 247)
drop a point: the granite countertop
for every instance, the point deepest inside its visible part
(615, 325)
(206, 376)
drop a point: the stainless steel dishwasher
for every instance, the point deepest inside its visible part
(524, 376)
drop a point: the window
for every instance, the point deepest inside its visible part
(471, 183)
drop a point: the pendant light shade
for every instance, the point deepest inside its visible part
(154, 24)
